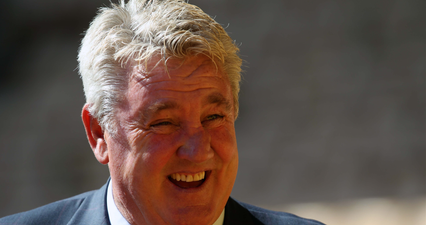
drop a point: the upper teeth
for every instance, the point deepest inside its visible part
(189, 177)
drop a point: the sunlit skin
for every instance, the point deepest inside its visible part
(180, 121)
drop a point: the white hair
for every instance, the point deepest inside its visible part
(138, 30)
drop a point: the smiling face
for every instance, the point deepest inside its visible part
(174, 158)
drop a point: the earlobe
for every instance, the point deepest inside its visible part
(95, 135)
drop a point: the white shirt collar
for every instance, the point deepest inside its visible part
(114, 214)
(116, 218)
(219, 220)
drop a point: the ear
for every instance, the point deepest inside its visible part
(95, 135)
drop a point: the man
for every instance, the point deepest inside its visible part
(161, 80)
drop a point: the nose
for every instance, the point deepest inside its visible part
(196, 145)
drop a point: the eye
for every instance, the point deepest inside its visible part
(214, 117)
(164, 123)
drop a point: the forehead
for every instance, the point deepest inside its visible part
(195, 72)
(181, 80)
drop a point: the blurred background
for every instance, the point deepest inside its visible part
(332, 106)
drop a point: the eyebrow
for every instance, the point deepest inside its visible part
(219, 99)
(157, 107)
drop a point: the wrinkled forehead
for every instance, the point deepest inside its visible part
(160, 68)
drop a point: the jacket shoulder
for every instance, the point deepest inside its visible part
(59, 212)
(277, 218)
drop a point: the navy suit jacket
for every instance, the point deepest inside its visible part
(90, 208)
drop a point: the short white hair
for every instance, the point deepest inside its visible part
(138, 30)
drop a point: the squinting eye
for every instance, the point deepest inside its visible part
(213, 117)
(161, 124)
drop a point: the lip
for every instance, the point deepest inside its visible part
(194, 189)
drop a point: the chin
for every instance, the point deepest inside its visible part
(192, 221)
(194, 215)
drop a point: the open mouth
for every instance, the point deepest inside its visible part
(189, 180)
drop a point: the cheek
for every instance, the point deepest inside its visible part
(137, 154)
(224, 143)
(122, 158)
(156, 150)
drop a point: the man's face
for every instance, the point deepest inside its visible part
(174, 123)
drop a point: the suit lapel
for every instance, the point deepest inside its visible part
(93, 209)
(235, 214)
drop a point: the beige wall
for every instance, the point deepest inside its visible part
(370, 211)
